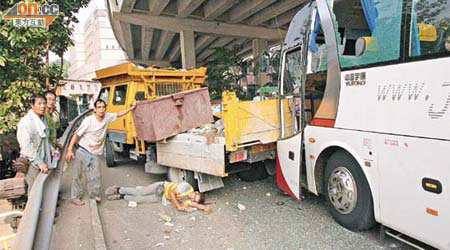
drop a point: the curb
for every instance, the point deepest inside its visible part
(97, 226)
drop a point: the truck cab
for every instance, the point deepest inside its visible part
(125, 83)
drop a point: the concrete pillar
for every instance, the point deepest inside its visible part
(187, 49)
(258, 47)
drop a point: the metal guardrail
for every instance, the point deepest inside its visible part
(35, 227)
(5, 239)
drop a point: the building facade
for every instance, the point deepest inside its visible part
(95, 47)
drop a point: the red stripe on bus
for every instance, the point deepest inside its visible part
(281, 181)
(322, 122)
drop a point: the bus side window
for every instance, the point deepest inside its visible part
(430, 28)
(292, 81)
(317, 52)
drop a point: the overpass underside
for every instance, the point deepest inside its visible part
(183, 32)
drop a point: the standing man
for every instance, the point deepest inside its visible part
(52, 116)
(91, 137)
(32, 135)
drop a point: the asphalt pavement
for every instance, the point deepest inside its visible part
(271, 220)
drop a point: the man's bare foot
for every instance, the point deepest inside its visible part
(77, 202)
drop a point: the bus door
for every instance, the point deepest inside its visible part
(292, 118)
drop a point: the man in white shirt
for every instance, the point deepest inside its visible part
(91, 137)
(33, 135)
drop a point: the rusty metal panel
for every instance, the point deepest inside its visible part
(166, 116)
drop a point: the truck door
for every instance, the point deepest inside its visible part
(293, 73)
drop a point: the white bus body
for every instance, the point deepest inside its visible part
(377, 146)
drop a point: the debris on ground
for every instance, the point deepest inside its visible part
(279, 203)
(169, 224)
(268, 194)
(165, 218)
(241, 207)
(244, 188)
(132, 204)
(159, 244)
(166, 237)
(168, 231)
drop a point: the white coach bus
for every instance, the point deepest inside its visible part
(369, 84)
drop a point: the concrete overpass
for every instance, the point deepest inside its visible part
(166, 31)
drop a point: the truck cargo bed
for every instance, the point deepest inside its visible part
(192, 152)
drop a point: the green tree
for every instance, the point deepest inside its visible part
(23, 51)
(430, 11)
(65, 68)
(225, 71)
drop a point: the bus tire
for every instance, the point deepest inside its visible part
(256, 172)
(109, 154)
(347, 193)
(182, 175)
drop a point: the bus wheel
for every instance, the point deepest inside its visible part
(182, 175)
(348, 194)
(109, 154)
(256, 172)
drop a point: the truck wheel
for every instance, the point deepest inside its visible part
(348, 194)
(256, 172)
(180, 175)
(109, 155)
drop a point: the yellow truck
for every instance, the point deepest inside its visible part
(242, 142)
(123, 84)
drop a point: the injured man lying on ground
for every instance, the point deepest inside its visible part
(181, 195)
